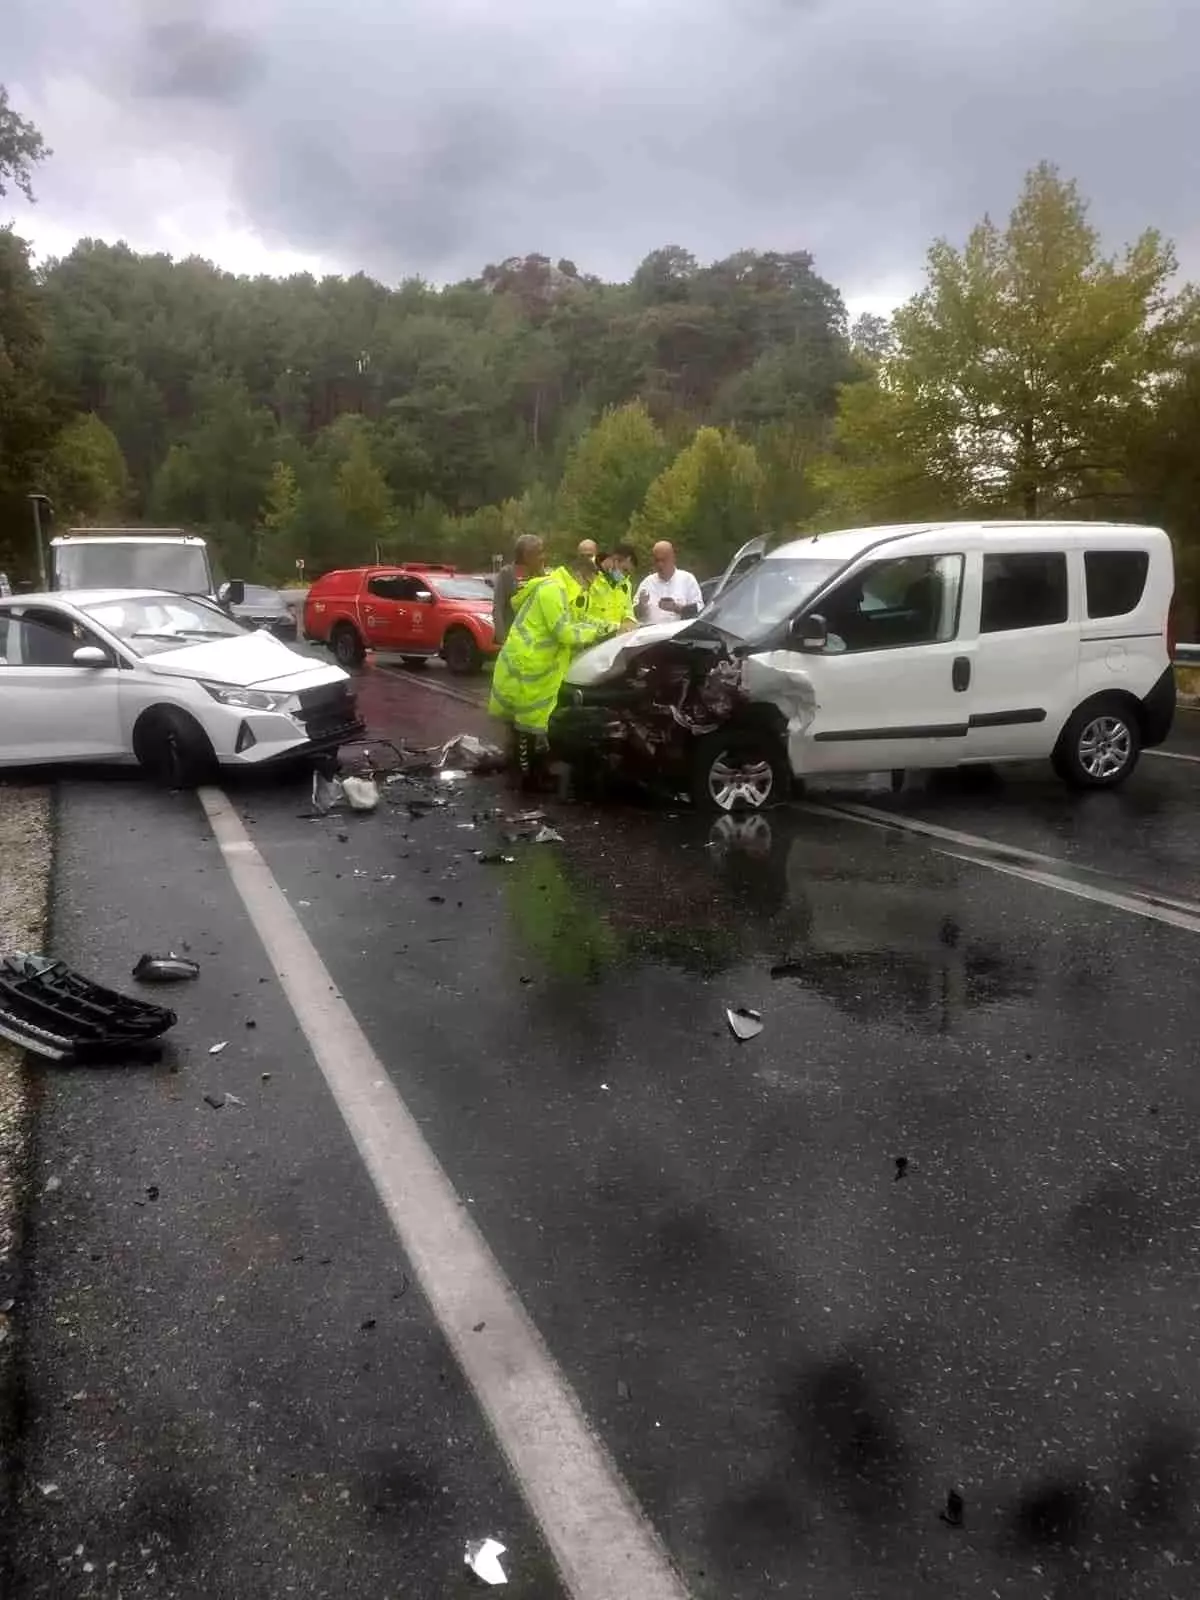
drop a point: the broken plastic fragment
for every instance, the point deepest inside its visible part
(483, 1558)
(451, 775)
(215, 1049)
(326, 792)
(547, 836)
(743, 1023)
(472, 753)
(216, 1101)
(493, 858)
(362, 794)
(165, 969)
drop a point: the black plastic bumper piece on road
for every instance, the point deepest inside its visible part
(1158, 710)
(47, 1008)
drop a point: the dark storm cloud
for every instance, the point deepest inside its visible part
(186, 58)
(436, 135)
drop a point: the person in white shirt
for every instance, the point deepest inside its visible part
(668, 593)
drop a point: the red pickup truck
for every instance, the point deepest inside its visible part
(416, 610)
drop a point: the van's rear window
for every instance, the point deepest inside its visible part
(1116, 581)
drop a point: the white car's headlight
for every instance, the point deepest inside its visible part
(248, 699)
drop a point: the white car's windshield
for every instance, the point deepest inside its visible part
(150, 624)
(132, 564)
(767, 594)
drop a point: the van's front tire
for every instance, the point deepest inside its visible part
(738, 770)
(1100, 745)
(173, 749)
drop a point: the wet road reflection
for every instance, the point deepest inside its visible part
(934, 1231)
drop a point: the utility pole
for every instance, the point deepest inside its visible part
(37, 501)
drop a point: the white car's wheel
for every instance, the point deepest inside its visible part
(173, 748)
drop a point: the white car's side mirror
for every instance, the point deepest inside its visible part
(90, 655)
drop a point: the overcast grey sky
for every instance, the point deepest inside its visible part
(433, 136)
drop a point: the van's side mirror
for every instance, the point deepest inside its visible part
(808, 633)
(232, 593)
(424, 597)
(90, 655)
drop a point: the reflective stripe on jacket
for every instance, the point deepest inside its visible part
(551, 624)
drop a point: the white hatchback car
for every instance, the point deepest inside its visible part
(163, 679)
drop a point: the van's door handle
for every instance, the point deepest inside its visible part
(960, 675)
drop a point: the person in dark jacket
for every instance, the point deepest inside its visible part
(528, 561)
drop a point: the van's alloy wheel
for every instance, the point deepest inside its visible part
(1105, 746)
(738, 771)
(1099, 747)
(732, 782)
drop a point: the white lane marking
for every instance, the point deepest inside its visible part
(1029, 865)
(1171, 755)
(599, 1536)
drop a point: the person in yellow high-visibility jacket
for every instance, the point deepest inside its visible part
(551, 624)
(610, 594)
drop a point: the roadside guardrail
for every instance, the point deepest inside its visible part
(1186, 655)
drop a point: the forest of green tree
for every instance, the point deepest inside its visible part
(293, 418)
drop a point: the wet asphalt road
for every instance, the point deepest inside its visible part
(936, 1228)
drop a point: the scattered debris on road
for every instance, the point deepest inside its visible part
(483, 1558)
(215, 1049)
(901, 1167)
(493, 858)
(165, 969)
(216, 1101)
(546, 835)
(743, 1023)
(953, 1514)
(53, 1185)
(471, 754)
(52, 1011)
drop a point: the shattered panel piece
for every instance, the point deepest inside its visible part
(743, 1023)
(775, 679)
(327, 793)
(165, 969)
(546, 835)
(475, 755)
(47, 1008)
(483, 1558)
(362, 794)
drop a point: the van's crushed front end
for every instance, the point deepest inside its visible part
(643, 706)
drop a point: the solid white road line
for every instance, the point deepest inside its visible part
(1171, 755)
(1030, 865)
(604, 1547)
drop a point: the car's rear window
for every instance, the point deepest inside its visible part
(1116, 581)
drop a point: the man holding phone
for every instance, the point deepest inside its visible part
(668, 593)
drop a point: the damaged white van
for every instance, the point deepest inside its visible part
(876, 649)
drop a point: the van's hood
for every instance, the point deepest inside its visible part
(605, 660)
(247, 661)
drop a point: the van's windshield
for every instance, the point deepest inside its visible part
(132, 564)
(768, 593)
